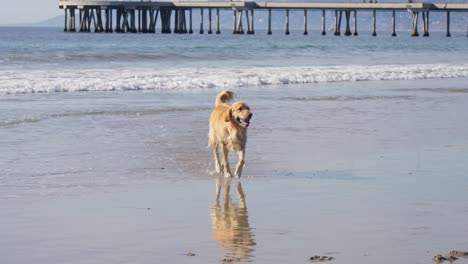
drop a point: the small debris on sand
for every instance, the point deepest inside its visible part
(321, 258)
(231, 260)
(451, 256)
(439, 258)
(456, 253)
(190, 254)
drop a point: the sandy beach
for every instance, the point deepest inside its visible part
(365, 172)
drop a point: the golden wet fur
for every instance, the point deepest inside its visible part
(228, 130)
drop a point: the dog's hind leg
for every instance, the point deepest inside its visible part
(216, 157)
(224, 153)
(240, 164)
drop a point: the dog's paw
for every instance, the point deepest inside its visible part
(227, 175)
(218, 169)
(237, 175)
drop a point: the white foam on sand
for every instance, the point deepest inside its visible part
(181, 79)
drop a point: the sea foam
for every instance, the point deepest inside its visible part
(182, 79)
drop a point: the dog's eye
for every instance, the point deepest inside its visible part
(240, 109)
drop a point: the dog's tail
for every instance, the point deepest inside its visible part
(224, 97)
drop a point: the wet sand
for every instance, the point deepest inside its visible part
(370, 172)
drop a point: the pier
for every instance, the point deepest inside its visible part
(178, 16)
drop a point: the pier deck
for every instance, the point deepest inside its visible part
(145, 13)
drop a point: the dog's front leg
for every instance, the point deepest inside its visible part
(241, 195)
(218, 190)
(224, 153)
(216, 157)
(240, 164)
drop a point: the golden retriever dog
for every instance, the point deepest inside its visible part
(228, 130)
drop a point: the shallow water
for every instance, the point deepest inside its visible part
(365, 172)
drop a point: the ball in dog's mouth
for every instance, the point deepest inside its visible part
(243, 122)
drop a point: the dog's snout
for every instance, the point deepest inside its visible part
(250, 115)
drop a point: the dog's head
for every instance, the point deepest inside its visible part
(240, 114)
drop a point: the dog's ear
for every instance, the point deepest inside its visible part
(228, 116)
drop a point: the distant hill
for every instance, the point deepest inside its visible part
(56, 21)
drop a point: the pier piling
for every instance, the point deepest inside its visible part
(176, 22)
(374, 22)
(218, 31)
(82, 20)
(240, 29)
(393, 24)
(117, 21)
(209, 21)
(85, 20)
(247, 19)
(79, 18)
(110, 21)
(94, 13)
(66, 22)
(323, 23)
(234, 22)
(165, 20)
(190, 22)
(348, 29)
(337, 26)
(414, 30)
(448, 24)
(305, 22)
(201, 21)
(269, 22)
(125, 25)
(71, 27)
(139, 20)
(340, 14)
(151, 27)
(252, 31)
(181, 22)
(425, 18)
(287, 21)
(144, 21)
(355, 23)
(106, 24)
(134, 21)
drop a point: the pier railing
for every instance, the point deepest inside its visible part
(177, 16)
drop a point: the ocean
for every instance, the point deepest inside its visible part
(38, 60)
(357, 147)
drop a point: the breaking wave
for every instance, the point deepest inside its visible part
(180, 79)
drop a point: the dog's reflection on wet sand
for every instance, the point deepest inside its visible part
(230, 221)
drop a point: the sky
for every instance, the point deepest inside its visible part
(28, 11)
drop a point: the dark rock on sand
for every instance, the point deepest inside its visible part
(190, 254)
(439, 258)
(321, 258)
